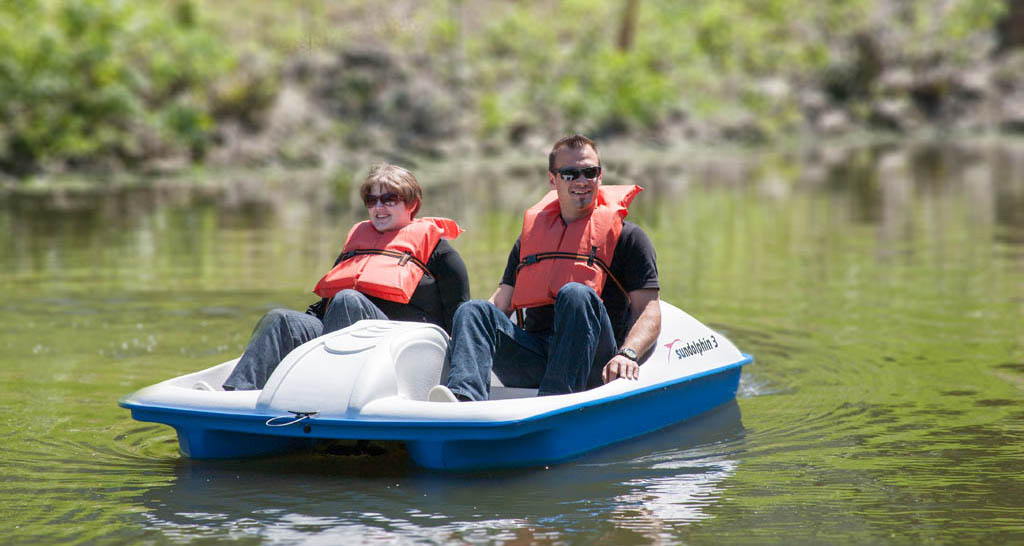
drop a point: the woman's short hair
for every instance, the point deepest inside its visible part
(393, 178)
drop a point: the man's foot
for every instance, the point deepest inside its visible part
(441, 393)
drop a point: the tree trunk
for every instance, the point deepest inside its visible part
(1011, 26)
(627, 27)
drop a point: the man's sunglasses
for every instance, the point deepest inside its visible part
(572, 173)
(389, 199)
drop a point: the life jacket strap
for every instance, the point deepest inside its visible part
(403, 257)
(591, 260)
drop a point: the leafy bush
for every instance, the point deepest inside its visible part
(89, 81)
(557, 67)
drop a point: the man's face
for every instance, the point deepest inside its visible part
(576, 197)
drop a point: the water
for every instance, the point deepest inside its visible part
(879, 287)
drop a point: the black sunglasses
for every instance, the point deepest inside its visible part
(572, 173)
(389, 199)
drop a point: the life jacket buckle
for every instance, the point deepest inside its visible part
(405, 258)
(593, 256)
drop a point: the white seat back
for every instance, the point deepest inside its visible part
(338, 373)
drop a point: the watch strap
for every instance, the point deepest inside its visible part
(630, 354)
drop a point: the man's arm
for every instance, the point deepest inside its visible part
(645, 312)
(502, 298)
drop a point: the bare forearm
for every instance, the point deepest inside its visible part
(641, 337)
(502, 298)
(645, 329)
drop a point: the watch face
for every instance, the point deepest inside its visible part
(628, 353)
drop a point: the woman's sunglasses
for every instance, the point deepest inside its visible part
(389, 199)
(572, 173)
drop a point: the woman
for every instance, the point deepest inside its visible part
(393, 266)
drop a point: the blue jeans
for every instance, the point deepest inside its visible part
(567, 359)
(281, 330)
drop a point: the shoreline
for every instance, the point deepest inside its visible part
(435, 170)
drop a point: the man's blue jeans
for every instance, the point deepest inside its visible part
(567, 359)
(281, 330)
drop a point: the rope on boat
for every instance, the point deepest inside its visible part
(296, 417)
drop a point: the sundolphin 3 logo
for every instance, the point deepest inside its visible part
(696, 347)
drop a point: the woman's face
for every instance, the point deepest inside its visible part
(387, 210)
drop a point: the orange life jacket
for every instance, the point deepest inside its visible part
(552, 253)
(390, 264)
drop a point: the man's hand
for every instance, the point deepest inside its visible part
(646, 324)
(620, 366)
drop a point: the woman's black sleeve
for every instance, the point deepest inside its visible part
(452, 283)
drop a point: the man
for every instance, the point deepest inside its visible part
(587, 279)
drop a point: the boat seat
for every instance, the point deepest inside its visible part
(344, 371)
(419, 364)
(506, 393)
(498, 390)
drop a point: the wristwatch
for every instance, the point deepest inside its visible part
(629, 353)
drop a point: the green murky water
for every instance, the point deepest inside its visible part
(881, 289)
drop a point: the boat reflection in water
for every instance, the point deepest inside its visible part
(675, 483)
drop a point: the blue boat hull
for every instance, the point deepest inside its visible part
(572, 433)
(548, 438)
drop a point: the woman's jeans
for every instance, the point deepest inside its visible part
(569, 358)
(281, 330)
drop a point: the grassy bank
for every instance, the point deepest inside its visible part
(102, 86)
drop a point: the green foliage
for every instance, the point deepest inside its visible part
(90, 81)
(101, 82)
(535, 67)
(560, 62)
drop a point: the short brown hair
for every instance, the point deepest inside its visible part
(394, 179)
(575, 142)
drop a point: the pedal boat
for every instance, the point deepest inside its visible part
(370, 382)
